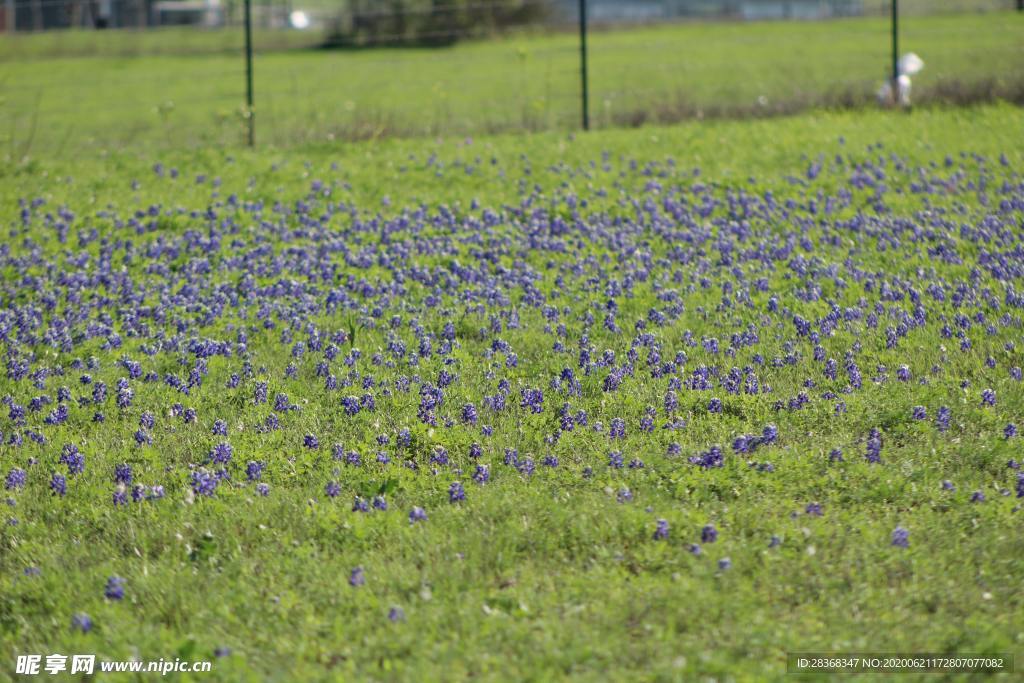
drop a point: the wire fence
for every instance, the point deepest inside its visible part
(444, 67)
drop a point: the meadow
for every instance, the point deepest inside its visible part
(651, 404)
(60, 94)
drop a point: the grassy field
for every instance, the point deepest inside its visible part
(54, 106)
(649, 263)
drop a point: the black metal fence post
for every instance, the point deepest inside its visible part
(250, 114)
(895, 43)
(583, 64)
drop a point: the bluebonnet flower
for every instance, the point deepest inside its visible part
(988, 397)
(254, 470)
(900, 537)
(744, 444)
(138, 493)
(379, 503)
(439, 456)
(120, 495)
(351, 405)
(813, 509)
(417, 514)
(615, 460)
(125, 395)
(123, 473)
(456, 492)
(919, 413)
(332, 489)
(724, 563)
(221, 454)
(947, 485)
(709, 534)
(624, 495)
(114, 589)
(942, 418)
(396, 614)
(263, 489)
(874, 447)
(661, 532)
(81, 622)
(16, 478)
(58, 484)
(1010, 431)
(357, 577)
(359, 504)
(709, 459)
(978, 497)
(482, 474)
(532, 399)
(310, 442)
(671, 401)
(204, 483)
(525, 466)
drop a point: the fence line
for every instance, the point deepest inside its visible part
(545, 79)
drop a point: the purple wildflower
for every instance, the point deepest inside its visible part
(58, 484)
(81, 622)
(456, 492)
(114, 589)
(16, 478)
(357, 577)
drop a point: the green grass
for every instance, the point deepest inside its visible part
(60, 106)
(542, 578)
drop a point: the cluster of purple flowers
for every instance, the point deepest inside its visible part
(654, 330)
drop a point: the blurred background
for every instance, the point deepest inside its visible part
(90, 75)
